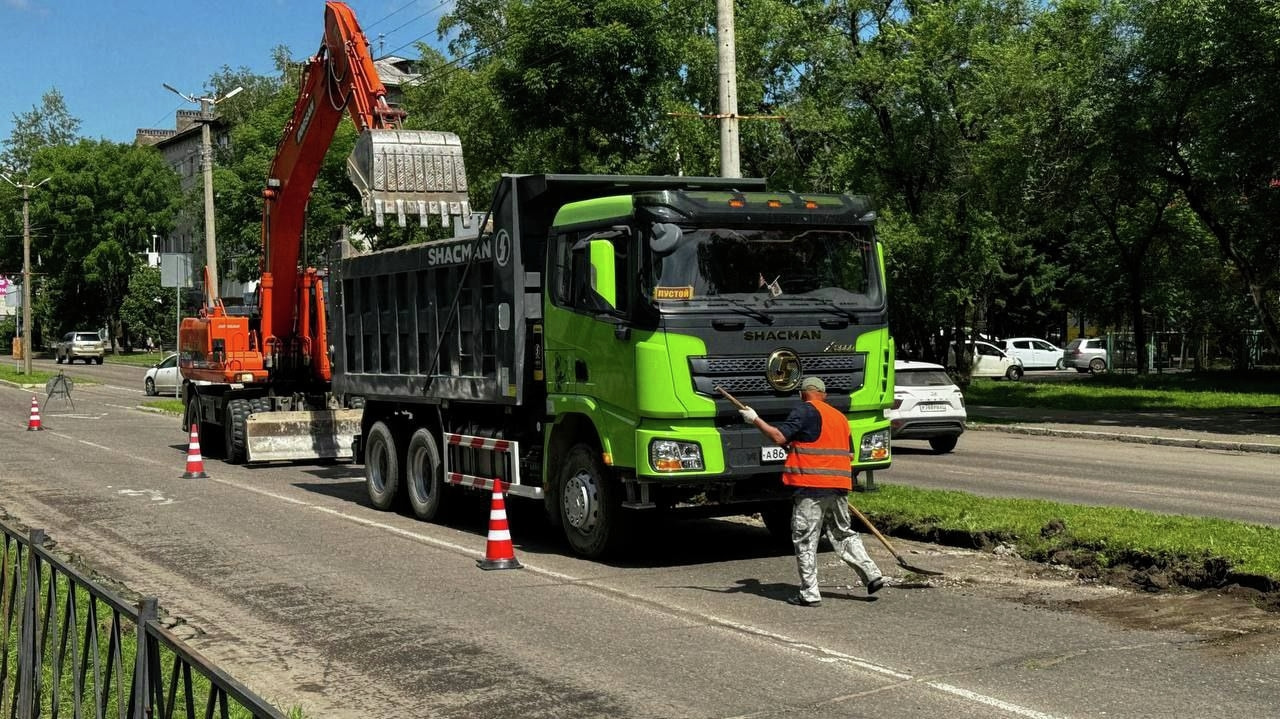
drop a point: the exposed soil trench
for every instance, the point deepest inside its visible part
(1232, 612)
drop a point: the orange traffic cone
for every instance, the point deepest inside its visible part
(195, 463)
(33, 422)
(498, 553)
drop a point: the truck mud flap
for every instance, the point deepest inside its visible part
(327, 434)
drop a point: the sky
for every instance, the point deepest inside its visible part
(108, 58)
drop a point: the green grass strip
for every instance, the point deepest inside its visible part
(172, 406)
(1207, 391)
(136, 359)
(1114, 533)
(10, 374)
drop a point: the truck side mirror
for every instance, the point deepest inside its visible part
(604, 277)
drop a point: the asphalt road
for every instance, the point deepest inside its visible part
(304, 592)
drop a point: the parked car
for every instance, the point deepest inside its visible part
(987, 360)
(163, 377)
(1033, 353)
(1086, 354)
(87, 346)
(926, 405)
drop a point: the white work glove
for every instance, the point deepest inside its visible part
(748, 415)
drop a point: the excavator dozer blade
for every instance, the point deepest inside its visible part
(410, 172)
(326, 434)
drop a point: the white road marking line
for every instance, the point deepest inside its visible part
(990, 701)
(107, 449)
(263, 492)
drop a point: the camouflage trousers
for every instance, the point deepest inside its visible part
(809, 515)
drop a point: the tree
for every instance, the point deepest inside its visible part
(45, 125)
(103, 203)
(1200, 70)
(579, 84)
(148, 308)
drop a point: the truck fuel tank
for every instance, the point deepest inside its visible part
(410, 172)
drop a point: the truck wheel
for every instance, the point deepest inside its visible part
(234, 428)
(382, 466)
(423, 474)
(942, 445)
(211, 441)
(590, 506)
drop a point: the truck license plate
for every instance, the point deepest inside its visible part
(772, 454)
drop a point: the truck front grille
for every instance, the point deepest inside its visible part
(744, 376)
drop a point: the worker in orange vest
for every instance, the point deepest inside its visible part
(819, 466)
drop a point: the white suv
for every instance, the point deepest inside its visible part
(926, 405)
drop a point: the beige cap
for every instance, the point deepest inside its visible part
(813, 383)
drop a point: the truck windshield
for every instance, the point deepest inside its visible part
(769, 266)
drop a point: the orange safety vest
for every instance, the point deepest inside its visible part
(825, 463)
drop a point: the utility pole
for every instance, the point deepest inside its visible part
(728, 69)
(26, 269)
(206, 160)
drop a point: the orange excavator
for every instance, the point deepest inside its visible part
(256, 378)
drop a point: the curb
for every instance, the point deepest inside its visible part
(1226, 445)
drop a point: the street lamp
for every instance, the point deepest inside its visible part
(26, 269)
(206, 159)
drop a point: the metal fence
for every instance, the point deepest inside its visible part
(70, 647)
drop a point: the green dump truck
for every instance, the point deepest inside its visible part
(572, 343)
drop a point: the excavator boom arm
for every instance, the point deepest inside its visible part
(396, 171)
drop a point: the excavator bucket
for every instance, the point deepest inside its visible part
(410, 172)
(327, 434)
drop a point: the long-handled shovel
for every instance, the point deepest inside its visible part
(730, 397)
(901, 562)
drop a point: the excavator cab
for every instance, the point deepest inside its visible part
(410, 172)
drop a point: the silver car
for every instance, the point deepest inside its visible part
(1086, 355)
(163, 377)
(87, 346)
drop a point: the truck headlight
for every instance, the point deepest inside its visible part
(668, 455)
(875, 446)
(246, 377)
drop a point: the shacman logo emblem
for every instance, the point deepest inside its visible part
(783, 370)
